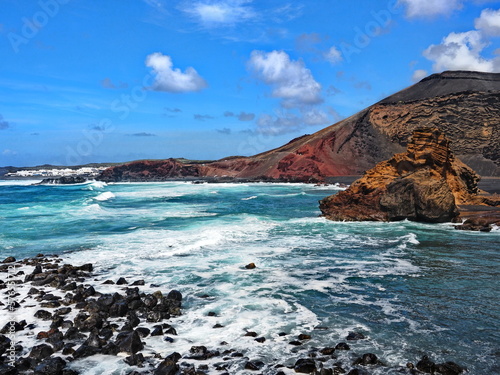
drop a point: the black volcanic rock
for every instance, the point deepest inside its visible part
(149, 170)
(446, 83)
(65, 180)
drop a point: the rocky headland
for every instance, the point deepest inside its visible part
(58, 314)
(150, 170)
(426, 183)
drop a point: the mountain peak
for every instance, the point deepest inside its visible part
(446, 83)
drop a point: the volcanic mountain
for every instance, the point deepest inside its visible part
(465, 106)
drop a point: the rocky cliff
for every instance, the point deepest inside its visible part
(464, 105)
(425, 183)
(149, 170)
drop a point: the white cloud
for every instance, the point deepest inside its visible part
(158, 5)
(333, 55)
(315, 117)
(281, 123)
(460, 51)
(172, 79)
(425, 8)
(419, 74)
(489, 22)
(220, 13)
(291, 80)
(8, 152)
(286, 13)
(286, 121)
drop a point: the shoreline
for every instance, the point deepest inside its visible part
(60, 314)
(489, 184)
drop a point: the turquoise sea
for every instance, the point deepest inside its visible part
(412, 289)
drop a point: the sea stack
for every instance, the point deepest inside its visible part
(425, 183)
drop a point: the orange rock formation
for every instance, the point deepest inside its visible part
(425, 183)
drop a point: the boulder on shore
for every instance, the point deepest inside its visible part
(425, 183)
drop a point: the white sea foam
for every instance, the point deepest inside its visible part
(18, 182)
(150, 194)
(92, 208)
(104, 196)
(247, 199)
(335, 186)
(96, 185)
(412, 238)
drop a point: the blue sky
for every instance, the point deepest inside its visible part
(124, 80)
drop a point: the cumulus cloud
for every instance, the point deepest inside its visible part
(465, 50)
(220, 13)
(3, 124)
(291, 80)
(426, 8)
(170, 79)
(489, 22)
(333, 55)
(419, 74)
(461, 51)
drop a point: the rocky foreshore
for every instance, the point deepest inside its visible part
(58, 314)
(65, 180)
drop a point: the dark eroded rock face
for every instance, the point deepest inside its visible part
(149, 170)
(419, 198)
(481, 223)
(425, 183)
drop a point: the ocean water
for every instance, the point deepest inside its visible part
(412, 289)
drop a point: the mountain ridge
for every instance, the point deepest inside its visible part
(464, 105)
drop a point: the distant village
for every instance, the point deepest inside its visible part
(88, 172)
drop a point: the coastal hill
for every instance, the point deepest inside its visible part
(465, 106)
